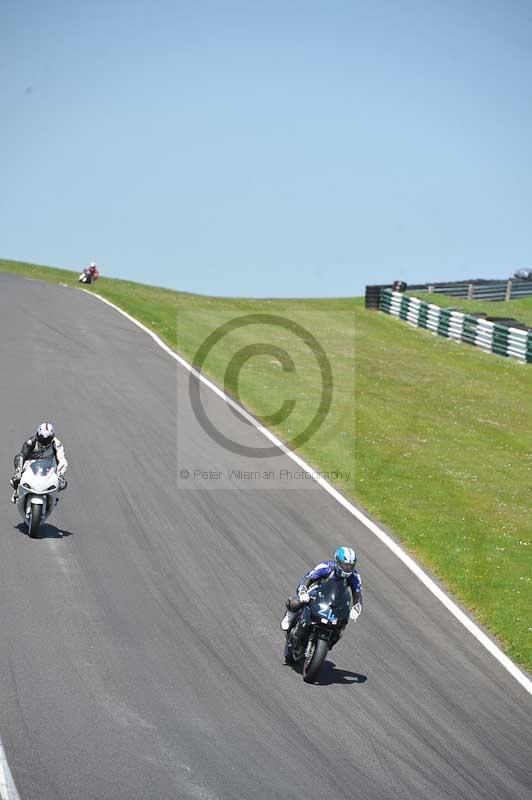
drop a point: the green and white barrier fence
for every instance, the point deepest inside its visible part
(489, 336)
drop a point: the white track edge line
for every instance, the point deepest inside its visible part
(8, 790)
(387, 540)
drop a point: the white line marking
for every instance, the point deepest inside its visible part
(8, 790)
(409, 562)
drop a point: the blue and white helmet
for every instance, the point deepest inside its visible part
(45, 434)
(345, 560)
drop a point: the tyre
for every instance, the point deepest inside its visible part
(34, 520)
(317, 657)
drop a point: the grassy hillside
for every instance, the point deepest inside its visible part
(433, 437)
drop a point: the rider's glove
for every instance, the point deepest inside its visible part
(303, 594)
(355, 612)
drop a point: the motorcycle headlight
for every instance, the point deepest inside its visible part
(26, 486)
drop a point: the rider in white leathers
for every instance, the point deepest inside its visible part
(44, 444)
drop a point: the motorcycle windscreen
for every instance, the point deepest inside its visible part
(43, 466)
(335, 594)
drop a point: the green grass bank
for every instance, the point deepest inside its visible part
(433, 437)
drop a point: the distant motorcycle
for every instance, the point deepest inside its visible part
(86, 277)
(38, 492)
(320, 626)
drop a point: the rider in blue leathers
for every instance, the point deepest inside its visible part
(342, 567)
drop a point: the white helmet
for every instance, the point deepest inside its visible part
(92, 264)
(45, 433)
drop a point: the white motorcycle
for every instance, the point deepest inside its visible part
(85, 277)
(38, 492)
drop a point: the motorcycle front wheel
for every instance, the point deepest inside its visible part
(316, 658)
(34, 521)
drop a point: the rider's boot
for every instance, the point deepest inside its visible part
(14, 483)
(288, 620)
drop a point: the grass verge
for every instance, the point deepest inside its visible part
(443, 431)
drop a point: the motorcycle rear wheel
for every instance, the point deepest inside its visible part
(34, 521)
(312, 665)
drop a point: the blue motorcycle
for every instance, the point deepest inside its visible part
(319, 627)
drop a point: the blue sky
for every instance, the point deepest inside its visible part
(279, 148)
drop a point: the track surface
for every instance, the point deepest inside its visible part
(140, 650)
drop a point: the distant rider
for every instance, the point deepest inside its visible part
(44, 444)
(341, 568)
(90, 274)
(93, 271)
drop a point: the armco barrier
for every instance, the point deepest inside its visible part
(489, 336)
(477, 289)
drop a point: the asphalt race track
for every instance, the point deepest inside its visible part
(140, 649)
